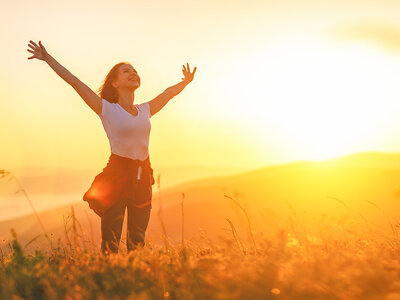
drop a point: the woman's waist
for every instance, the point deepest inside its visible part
(124, 167)
(128, 161)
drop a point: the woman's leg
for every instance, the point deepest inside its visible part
(111, 227)
(138, 219)
(138, 216)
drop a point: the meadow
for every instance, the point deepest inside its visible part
(338, 254)
(343, 262)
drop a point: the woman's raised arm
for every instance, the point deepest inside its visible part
(90, 97)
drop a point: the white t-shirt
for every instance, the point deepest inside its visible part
(128, 135)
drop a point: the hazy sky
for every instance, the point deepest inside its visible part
(276, 81)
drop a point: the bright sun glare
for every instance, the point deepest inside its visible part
(322, 99)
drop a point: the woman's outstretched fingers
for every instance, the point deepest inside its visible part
(39, 51)
(34, 43)
(188, 76)
(29, 50)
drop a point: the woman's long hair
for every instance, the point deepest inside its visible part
(107, 91)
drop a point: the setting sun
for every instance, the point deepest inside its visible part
(319, 97)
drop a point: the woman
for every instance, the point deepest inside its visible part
(127, 179)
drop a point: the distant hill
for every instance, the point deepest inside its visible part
(52, 181)
(361, 188)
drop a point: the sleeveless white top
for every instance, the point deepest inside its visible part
(128, 135)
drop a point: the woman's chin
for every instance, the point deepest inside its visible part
(134, 86)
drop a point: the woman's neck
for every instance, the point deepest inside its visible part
(126, 98)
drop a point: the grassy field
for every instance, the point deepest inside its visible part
(345, 261)
(333, 254)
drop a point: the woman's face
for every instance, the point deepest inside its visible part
(127, 77)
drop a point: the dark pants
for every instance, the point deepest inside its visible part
(112, 221)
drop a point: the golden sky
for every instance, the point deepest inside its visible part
(276, 81)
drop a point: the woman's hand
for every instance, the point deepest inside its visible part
(39, 52)
(186, 72)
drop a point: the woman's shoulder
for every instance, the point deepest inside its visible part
(107, 107)
(142, 105)
(145, 107)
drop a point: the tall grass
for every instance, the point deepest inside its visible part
(10, 176)
(343, 262)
